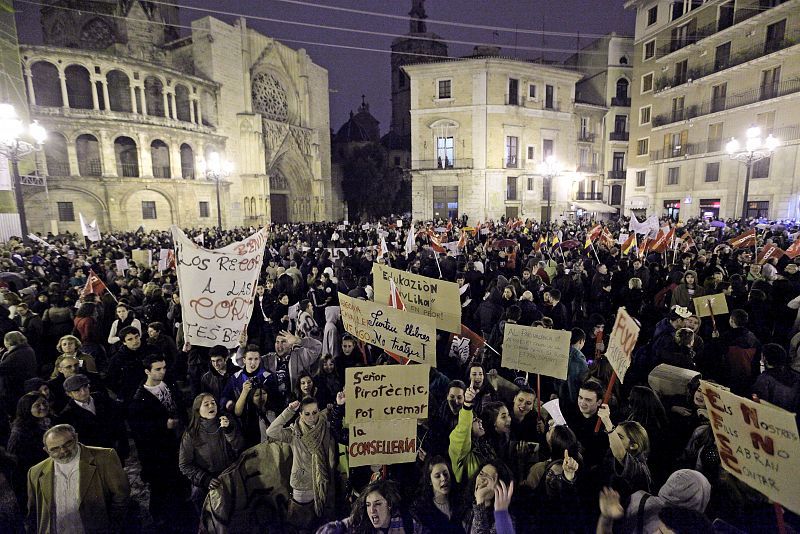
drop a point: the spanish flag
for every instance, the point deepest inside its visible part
(629, 243)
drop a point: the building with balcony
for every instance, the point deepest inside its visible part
(133, 111)
(480, 127)
(704, 72)
(602, 115)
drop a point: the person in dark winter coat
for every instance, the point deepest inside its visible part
(17, 364)
(124, 369)
(778, 384)
(739, 353)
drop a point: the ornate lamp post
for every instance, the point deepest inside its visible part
(216, 169)
(755, 149)
(16, 142)
(549, 169)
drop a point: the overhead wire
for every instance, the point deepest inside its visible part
(321, 44)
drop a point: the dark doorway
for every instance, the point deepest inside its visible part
(279, 205)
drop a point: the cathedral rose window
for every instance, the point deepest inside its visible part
(269, 97)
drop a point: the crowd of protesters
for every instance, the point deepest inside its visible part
(115, 368)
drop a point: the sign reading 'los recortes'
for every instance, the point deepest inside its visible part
(421, 295)
(758, 443)
(400, 332)
(217, 287)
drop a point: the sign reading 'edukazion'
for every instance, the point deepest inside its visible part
(399, 332)
(217, 287)
(421, 295)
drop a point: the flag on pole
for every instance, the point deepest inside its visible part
(793, 250)
(660, 243)
(411, 242)
(629, 243)
(94, 285)
(744, 240)
(607, 238)
(462, 241)
(384, 247)
(449, 225)
(540, 242)
(554, 241)
(641, 251)
(436, 245)
(591, 235)
(767, 252)
(90, 231)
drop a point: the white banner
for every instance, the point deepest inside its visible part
(649, 226)
(90, 231)
(217, 287)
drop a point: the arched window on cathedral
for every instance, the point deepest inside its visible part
(55, 155)
(127, 157)
(187, 162)
(88, 150)
(159, 153)
(154, 94)
(79, 87)
(119, 91)
(182, 103)
(46, 84)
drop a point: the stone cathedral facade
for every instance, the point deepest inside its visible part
(134, 110)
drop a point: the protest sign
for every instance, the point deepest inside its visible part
(757, 442)
(421, 295)
(537, 350)
(217, 287)
(386, 392)
(382, 442)
(406, 334)
(707, 304)
(142, 257)
(621, 343)
(122, 265)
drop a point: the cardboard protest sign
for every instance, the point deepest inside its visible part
(710, 303)
(406, 334)
(421, 295)
(621, 343)
(386, 392)
(382, 442)
(142, 257)
(537, 350)
(217, 287)
(121, 265)
(758, 443)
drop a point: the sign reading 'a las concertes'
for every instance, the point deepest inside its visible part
(421, 295)
(217, 287)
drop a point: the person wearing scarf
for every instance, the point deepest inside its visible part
(210, 444)
(314, 458)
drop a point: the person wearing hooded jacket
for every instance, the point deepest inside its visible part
(331, 339)
(684, 488)
(687, 290)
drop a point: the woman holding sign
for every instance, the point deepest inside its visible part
(313, 462)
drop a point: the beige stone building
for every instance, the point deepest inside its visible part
(133, 112)
(480, 128)
(602, 115)
(704, 72)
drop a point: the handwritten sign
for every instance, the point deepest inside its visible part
(400, 332)
(536, 350)
(383, 442)
(142, 257)
(621, 343)
(758, 443)
(386, 392)
(707, 304)
(122, 265)
(217, 287)
(421, 295)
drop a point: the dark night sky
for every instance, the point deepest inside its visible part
(354, 72)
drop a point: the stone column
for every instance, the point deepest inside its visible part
(144, 100)
(29, 80)
(175, 159)
(172, 110)
(166, 102)
(134, 105)
(107, 155)
(72, 157)
(106, 100)
(95, 100)
(199, 113)
(191, 110)
(64, 95)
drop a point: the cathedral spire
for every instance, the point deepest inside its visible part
(418, 16)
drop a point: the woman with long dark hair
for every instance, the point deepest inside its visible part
(479, 517)
(376, 511)
(32, 420)
(209, 445)
(436, 507)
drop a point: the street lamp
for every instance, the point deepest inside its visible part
(755, 149)
(216, 169)
(549, 169)
(14, 145)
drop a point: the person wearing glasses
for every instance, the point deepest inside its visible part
(77, 488)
